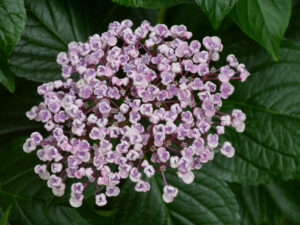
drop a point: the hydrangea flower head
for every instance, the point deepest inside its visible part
(133, 103)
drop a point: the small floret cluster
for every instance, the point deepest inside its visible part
(134, 103)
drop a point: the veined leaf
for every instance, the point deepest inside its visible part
(269, 148)
(265, 21)
(206, 201)
(12, 24)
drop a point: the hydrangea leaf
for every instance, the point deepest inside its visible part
(216, 10)
(269, 148)
(12, 24)
(276, 204)
(154, 4)
(206, 201)
(265, 21)
(30, 196)
(47, 33)
(51, 25)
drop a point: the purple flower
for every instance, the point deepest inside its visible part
(112, 191)
(129, 95)
(142, 186)
(170, 193)
(227, 150)
(76, 199)
(100, 199)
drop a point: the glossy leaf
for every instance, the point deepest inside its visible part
(216, 10)
(265, 21)
(269, 148)
(12, 24)
(206, 201)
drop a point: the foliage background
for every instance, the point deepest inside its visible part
(259, 186)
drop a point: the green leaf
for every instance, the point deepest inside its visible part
(153, 4)
(269, 148)
(4, 219)
(7, 79)
(265, 21)
(6, 76)
(52, 24)
(216, 10)
(206, 201)
(274, 204)
(30, 195)
(12, 24)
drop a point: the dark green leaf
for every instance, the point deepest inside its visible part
(269, 149)
(216, 10)
(154, 4)
(7, 80)
(52, 24)
(12, 24)
(265, 21)
(274, 204)
(4, 219)
(206, 201)
(30, 195)
(6, 76)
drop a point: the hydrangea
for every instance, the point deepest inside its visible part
(133, 103)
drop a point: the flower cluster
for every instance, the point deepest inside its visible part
(133, 103)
